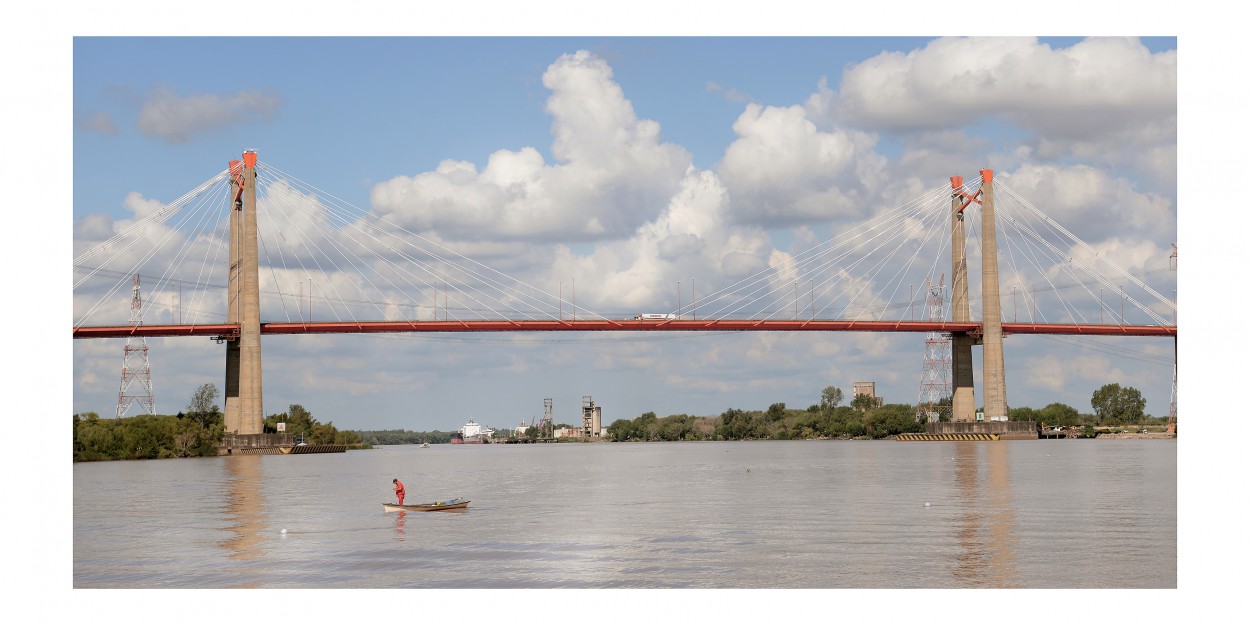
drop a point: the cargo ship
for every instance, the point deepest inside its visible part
(471, 434)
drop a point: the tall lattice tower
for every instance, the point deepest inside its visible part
(1172, 406)
(547, 427)
(935, 376)
(135, 367)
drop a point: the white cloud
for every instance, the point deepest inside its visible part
(689, 239)
(1103, 101)
(1090, 202)
(1054, 373)
(613, 172)
(782, 170)
(656, 220)
(175, 119)
(1097, 86)
(140, 206)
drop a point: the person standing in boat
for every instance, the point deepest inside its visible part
(399, 490)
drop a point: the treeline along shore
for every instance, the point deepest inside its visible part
(198, 430)
(194, 432)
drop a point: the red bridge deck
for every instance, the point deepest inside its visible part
(602, 325)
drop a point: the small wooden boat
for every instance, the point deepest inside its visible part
(436, 506)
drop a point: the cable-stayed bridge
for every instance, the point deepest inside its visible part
(255, 251)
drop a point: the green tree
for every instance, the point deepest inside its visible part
(863, 402)
(776, 412)
(1025, 414)
(891, 419)
(619, 430)
(1059, 414)
(733, 424)
(1115, 405)
(203, 408)
(830, 398)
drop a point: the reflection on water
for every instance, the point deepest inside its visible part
(765, 514)
(245, 505)
(1002, 566)
(399, 526)
(987, 525)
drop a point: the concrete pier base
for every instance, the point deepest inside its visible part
(1004, 430)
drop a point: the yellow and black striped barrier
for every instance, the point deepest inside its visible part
(946, 437)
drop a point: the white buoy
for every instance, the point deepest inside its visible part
(926, 504)
(284, 529)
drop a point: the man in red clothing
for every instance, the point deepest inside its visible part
(399, 490)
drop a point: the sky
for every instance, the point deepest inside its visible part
(104, 134)
(628, 144)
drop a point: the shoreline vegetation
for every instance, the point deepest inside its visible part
(193, 433)
(198, 431)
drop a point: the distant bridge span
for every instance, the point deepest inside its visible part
(229, 330)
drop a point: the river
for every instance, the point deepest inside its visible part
(727, 515)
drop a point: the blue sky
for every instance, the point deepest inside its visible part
(361, 109)
(411, 113)
(362, 117)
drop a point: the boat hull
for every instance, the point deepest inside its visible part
(437, 506)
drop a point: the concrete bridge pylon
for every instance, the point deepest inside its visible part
(963, 398)
(994, 378)
(993, 367)
(244, 413)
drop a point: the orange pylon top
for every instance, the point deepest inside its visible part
(987, 176)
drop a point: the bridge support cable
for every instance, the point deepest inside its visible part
(149, 221)
(389, 230)
(1038, 250)
(353, 227)
(815, 265)
(869, 259)
(321, 218)
(1097, 257)
(1030, 234)
(923, 218)
(153, 237)
(209, 221)
(733, 293)
(1009, 244)
(389, 235)
(855, 241)
(333, 251)
(860, 272)
(331, 228)
(930, 226)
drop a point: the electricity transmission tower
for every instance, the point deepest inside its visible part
(935, 376)
(135, 367)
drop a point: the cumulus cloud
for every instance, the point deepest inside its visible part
(1096, 86)
(613, 172)
(654, 220)
(782, 170)
(1106, 101)
(140, 206)
(690, 238)
(1091, 202)
(175, 119)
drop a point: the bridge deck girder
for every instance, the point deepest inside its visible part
(602, 325)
